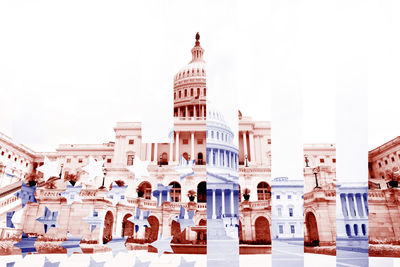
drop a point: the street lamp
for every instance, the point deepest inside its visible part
(246, 161)
(316, 171)
(306, 160)
(62, 165)
(104, 175)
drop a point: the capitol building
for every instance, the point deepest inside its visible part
(228, 181)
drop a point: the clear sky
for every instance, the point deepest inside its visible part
(71, 70)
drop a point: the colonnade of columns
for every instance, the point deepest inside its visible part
(250, 150)
(354, 205)
(222, 158)
(223, 204)
(199, 111)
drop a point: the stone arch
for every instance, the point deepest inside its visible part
(202, 192)
(108, 227)
(262, 230)
(312, 237)
(151, 232)
(128, 227)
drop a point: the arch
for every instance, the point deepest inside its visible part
(145, 187)
(262, 230)
(263, 191)
(108, 227)
(151, 232)
(202, 192)
(312, 237)
(175, 192)
(199, 158)
(127, 226)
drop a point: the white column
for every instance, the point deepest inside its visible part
(232, 206)
(217, 162)
(171, 150)
(179, 112)
(245, 148)
(186, 111)
(364, 208)
(223, 201)
(214, 214)
(177, 147)
(348, 205)
(148, 151)
(155, 152)
(192, 143)
(211, 160)
(202, 111)
(251, 148)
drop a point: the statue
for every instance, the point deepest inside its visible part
(197, 36)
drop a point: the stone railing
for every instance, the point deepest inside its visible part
(320, 194)
(260, 204)
(54, 194)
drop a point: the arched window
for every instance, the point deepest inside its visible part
(175, 192)
(198, 91)
(185, 92)
(355, 229)
(145, 187)
(191, 92)
(263, 191)
(204, 92)
(200, 158)
(364, 229)
(180, 94)
(202, 192)
(348, 230)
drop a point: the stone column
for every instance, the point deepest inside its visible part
(211, 160)
(171, 150)
(348, 205)
(364, 207)
(179, 112)
(214, 214)
(251, 148)
(186, 111)
(192, 143)
(245, 148)
(223, 201)
(177, 147)
(155, 153)
(148, 152)
(217, 162)
(232, 206)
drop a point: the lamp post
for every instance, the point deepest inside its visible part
(104, 175)
(246, 161)
(62, 165)
(306, 160)
(316, 171)
(160, 160)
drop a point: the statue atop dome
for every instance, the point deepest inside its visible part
(197, 39)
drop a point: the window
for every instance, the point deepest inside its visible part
(198, 91)
(204, 92)
(290, 212)
(80, 160)
(2, 153)
(185, 92)
(185, 141)
(380, 165)
(348, 230)
(386, 162)
(279, 212)
(9, 156)
(108, 160)
(180, 94)
(26, 165)
(281, 229)
(191, 92)
(130, 160)
(175, 192)
(269, 141)
(175, 95)
(199, 141)
(289, 197)
(131, 141)
(392, 159)
(68, 160)
(278, 197)
(355, 229)
(292, 229)
(263, 191)
(334, 160)
(321, 160)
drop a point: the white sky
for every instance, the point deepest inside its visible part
(70, 70)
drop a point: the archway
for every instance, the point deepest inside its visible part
(108, 226)
(202, 192)
(178, 237)
(128, 227)
(263, 234)
(200, 158)
(312, 238)
(151, 233)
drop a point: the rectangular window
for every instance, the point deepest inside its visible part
(278, 197)
(131, 141)
(392, 159)
(68, 160)
(321, 160)
(130, 160)
(292, 230)
(80, 160)
(334, 160)
(185, 141)
(380, 165)
(280, 212)
(269, 141)
(289, 197)
(290, 212)
(386, 162)
(108, 160)
(281, 229)
(199, 141)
